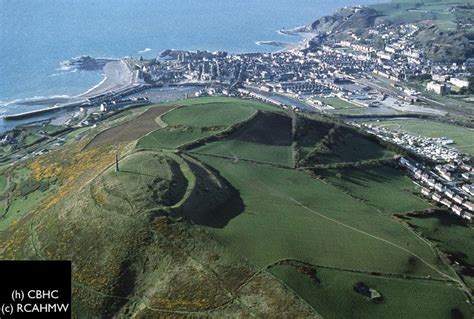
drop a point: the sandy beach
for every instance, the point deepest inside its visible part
(118, 75)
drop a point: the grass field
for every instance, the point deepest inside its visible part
(209, 114)
(70, 137)
(382, 187)
(288, 214)
(199, 118)
(462, 136)
(448, 234)
(438, 12)
(23, 194)
(321, 142)
(30, 139)
(256, 105)
(237, 150)
(334, 296)
(115, 229)
(171, 138)
(338, 103)
(21, 206)
(266, 138)
(352, 111)
(452, 237)
(356, 148)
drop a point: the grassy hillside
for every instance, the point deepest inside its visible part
(190, 228)
(334, 297)
(300, 217)
(198, 118)
(324, 143)
(452, 237)
(445, 26)
(381, 187)
(266, 138)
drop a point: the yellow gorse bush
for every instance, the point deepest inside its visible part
(73, 168)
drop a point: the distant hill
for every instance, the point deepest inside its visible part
(347, 19)
(446, 31)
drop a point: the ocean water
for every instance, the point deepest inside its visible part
(36, 35)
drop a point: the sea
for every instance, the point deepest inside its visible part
(37, 35)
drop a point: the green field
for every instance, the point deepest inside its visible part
(23, 194)
(355, 148)
(266, 138)
(229, 101)
(439, 13)
(199, 118)
(21, 206)
(320, 142)
(209, 114)
(303, 218)
(452, 237)
(382, 187)
(240, 150)
(462, 136)
(446, 231)
(345, 148)
(145, 180)
(70, 137)
(30, 139)
(334, 296)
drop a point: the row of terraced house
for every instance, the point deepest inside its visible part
(444, 186)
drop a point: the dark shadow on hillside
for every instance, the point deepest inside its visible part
(360, 176)
(341, 144)
(220, 217)
(266, 128)
(364, 175)
(123, 288)
(211, 205)
(310, 132)
(443, 218)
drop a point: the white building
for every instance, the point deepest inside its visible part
(460, 83)
(438, 88)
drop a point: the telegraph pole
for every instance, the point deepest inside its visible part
(116, 163)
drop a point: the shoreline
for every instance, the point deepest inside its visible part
(92, 88)
(118, 77)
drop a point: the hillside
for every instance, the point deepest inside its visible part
(228, 208)
(446, 31)
(347, 19)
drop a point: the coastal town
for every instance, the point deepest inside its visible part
(367, 75)
(144, 145)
